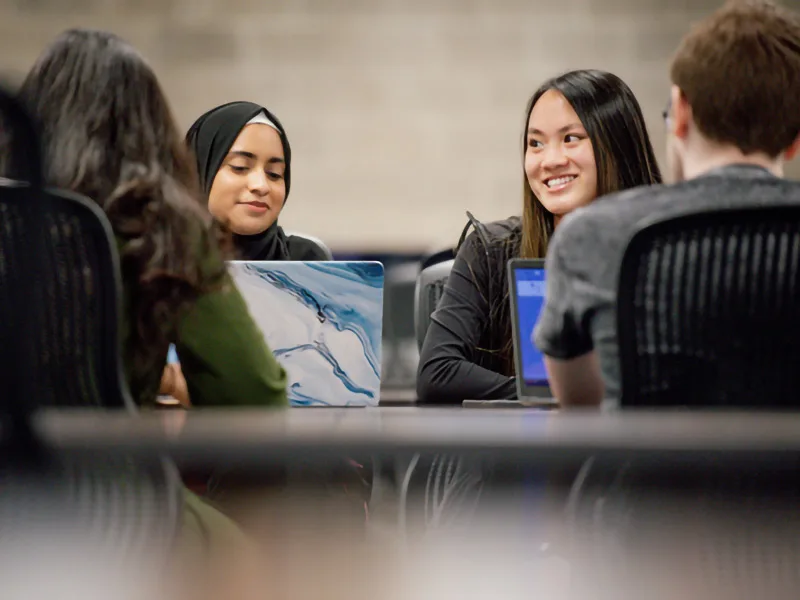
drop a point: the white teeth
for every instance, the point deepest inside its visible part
(560, 180)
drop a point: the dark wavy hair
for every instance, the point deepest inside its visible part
(108, 134)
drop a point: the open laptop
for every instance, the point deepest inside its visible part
(526, 280)
(323, 321)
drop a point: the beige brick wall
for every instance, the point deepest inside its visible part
(402, 113)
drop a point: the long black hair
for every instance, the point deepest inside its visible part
(624, 157)
(614, 122)
(108, 133)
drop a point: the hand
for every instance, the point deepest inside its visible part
(173, 383)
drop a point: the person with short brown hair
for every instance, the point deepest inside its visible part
(732, 123)
(738, 73)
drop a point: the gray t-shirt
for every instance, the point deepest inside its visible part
(585, 254)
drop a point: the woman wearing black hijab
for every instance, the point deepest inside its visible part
(244, 163)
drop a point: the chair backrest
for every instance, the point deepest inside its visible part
(735, 521)
(400, 356)
(429, 289)
(59, 292)
(436, 257)
(708, 310)
(80, 525)
(314, 240)
(83, 523)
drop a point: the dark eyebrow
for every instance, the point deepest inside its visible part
(241, 153)
(532, 131)
(250, 155)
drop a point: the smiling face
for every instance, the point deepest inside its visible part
(249, 189)
(559, 158)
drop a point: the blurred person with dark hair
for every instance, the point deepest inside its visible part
(108, 134)
(585, 136)
(732, 122)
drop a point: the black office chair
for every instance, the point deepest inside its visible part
(733, 522)
(400, 357)
(709, 310)
(60, 273)
(127, 510)
(58, 283)
(428, 292)
(436, 257)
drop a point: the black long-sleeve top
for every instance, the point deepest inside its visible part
(468, 353)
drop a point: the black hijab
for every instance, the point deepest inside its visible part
(211, 138)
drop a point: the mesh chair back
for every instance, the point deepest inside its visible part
(17, 270)
(709, 310)
(429, 290)
(59, 282)
(88, 527)
(730, 522)
(121, 503)
(59, 290)
(437, 257)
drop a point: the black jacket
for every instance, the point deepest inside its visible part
(274, 244)
(468, 354)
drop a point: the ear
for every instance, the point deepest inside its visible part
(680, 114)
(792, 150)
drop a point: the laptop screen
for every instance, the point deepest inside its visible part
(530, 285)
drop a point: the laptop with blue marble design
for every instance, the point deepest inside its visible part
(323, 321)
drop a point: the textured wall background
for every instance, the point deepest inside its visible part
(402, 113)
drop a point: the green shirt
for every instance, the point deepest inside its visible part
(223, 355)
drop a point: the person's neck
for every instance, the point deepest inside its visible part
(707, 158)
(251, 236)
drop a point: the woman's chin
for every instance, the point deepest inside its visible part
(563, 205)
(251, 227)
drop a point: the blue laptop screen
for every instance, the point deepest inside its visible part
(530, 297)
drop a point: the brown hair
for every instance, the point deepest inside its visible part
(738, 70)
(615, 124)
(108, 133)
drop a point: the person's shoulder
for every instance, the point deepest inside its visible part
(789, 189)
(607, 215)
(493, 235)
(769, 188)
(505, 228)
(595, 235)
(304, 249)
(488, 244)
(707, 192)
(611, 205)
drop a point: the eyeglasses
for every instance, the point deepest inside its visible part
(665, 112)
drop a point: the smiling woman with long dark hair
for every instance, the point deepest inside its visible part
(584, 137)
(108, 134)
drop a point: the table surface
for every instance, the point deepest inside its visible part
(235, 433)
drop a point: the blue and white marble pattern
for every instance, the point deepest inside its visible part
(323, 321)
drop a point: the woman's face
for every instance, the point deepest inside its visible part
(248, 191)
(559, 158)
